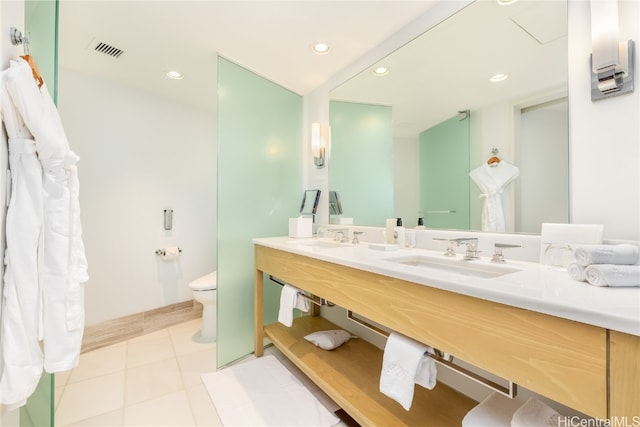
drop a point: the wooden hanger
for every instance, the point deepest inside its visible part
(493, 161)
(34, 69)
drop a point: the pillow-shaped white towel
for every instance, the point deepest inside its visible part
(328, 340)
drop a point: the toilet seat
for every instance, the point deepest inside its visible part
(205, 283)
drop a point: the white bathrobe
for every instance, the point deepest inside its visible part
(21, 359)
(45, 261)
(63, 265)
(492, 179)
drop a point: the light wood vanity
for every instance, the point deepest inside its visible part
(589, 368)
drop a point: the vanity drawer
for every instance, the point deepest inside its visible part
(558, 358)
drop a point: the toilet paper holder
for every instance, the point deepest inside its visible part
(163, 251)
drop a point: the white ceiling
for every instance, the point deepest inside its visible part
(271, 38)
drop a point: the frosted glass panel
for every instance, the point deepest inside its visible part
(361, 164)
(41, 21)
(444, 175)
(259, 188)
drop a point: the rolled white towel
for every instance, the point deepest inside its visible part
(535, 413)
(576, 272)
(495, 411)
(623, 254)
(613, 275)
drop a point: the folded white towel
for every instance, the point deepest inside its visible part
(623, 254)
(535, 413)
(494, 411)
(401, 363)
(576, 272)
(288, 300)
(613, 275)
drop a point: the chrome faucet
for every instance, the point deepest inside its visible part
(472, 251)
(340, 234)
(498, 256)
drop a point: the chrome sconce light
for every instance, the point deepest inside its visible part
(319, 144)
(612, 62)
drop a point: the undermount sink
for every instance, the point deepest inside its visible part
(458, 266)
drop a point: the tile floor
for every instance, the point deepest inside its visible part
(152, 380)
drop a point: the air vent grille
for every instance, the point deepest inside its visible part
(108, 50)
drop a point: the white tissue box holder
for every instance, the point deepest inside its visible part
(300, 227)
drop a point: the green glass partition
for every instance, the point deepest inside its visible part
(259, 188)
(41, 23)
(361, 163)
(444, 174)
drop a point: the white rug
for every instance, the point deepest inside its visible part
(263, 392)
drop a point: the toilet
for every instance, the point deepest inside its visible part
(204, 291)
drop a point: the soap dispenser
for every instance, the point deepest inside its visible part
(398, 233)
(420, 225)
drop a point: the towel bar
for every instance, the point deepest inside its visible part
(317, 301)
(511, 390)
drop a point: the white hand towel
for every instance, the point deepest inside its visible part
(576, 272)
(623, 254)
(534, 413)
(302, 303)
(427, 374)
(400, 365)
(613, 275)
(494, 411)
(288, 299)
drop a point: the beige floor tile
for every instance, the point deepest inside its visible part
(169, 410)
(152, 380)
(193, 365)
(202, 407)
(149, 348)
(100, 362)
(92, 397)
(110, 419)
(182, 338)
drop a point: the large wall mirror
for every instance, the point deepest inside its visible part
(447, 119)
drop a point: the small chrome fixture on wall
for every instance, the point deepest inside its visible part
(612, 62)
(168, 219)
(320, 137)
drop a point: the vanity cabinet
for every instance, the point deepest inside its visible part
(579, 365)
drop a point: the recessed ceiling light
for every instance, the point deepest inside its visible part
(321, 48)
(175, 75)
(380, 71)
(506, 2)
(499, 78)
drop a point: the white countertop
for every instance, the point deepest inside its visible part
(534, 287)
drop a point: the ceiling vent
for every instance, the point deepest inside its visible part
(108, 50)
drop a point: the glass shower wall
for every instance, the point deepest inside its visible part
(41, 23)
(259, 188)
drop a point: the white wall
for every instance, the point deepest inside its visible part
(140, 154)
(604, 135)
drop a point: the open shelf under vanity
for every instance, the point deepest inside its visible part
(350, 375)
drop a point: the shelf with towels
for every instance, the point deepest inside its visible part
(350, 375)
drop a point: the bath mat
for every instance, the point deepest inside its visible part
(263, 392)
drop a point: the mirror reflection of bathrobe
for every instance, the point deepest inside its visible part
(62, 265)
(492, 179)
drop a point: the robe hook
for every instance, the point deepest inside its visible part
(18, 39)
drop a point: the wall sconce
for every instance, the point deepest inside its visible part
(612, 62)
(320, 137)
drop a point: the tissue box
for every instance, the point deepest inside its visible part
(300, 227)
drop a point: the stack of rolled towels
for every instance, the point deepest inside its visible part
(606, 265)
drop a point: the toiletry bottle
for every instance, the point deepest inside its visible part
(420, 225)
(390, 229)
(398, 233)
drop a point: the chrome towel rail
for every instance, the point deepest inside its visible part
(317, 301)
(445, 359)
